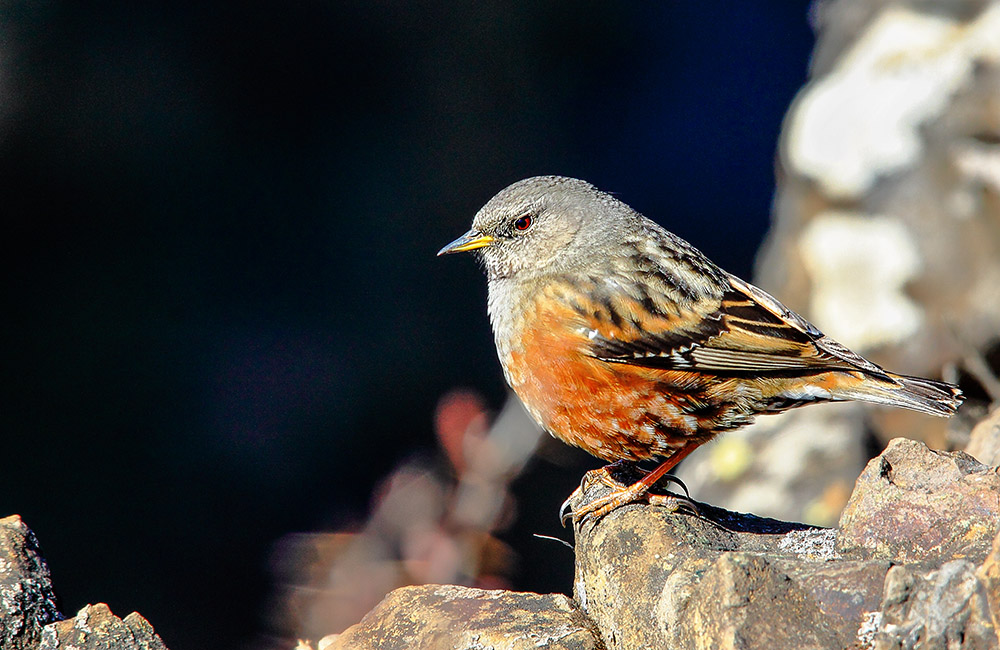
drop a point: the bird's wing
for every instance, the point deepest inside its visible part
(745, 331)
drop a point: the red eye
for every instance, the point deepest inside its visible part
(523, 223)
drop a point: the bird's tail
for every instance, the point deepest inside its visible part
(915, 393)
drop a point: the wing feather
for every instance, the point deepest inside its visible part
(743, 331)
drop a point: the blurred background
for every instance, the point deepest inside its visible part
(226, 333)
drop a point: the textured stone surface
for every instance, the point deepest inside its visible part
(989, 574)
(651, 578)
(946, 607)
(449, 616)
(96, 628)
(737, 599)
(913, 504)
(27, 601)
(28, 615)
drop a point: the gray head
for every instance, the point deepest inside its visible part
(544, 224)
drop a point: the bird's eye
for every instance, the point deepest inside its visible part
(523, 223)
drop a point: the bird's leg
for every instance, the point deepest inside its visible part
(674, 502)
(620, 494)
(605, 476)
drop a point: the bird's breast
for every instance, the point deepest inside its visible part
(611, 410)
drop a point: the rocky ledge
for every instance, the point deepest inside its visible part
(29, 619)
(914, 563)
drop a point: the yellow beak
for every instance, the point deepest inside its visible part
(467, 242)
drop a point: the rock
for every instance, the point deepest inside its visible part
(984, 442)
(652, 578)
(737, 598)
(941, 608)
(449, 616)
(989, 574)
(96, 628)
(912, 504)
(27, 601)
(915, 565)
(649, 577)
(28, 614)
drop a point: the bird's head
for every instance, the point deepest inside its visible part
(543, 224)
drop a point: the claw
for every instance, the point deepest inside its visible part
(670, 478)
(564, 510)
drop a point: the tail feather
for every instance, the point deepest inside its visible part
(915, 393)
(938, 397)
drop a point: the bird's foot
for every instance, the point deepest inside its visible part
(602, 476)
(622, 494)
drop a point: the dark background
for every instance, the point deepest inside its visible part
(223, 316)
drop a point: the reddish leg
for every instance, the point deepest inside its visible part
(620, 494)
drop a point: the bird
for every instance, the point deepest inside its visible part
(623, 339)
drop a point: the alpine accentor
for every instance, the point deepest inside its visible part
(624, 340)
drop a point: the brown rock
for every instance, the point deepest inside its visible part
(984, 442)
(651, 578)
(912, 504)
(96, 628)
(737, 600)
(845, 590)
(989, 575)
(27, 601)
(449, 616)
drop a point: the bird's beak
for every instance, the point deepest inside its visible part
(467, 242)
